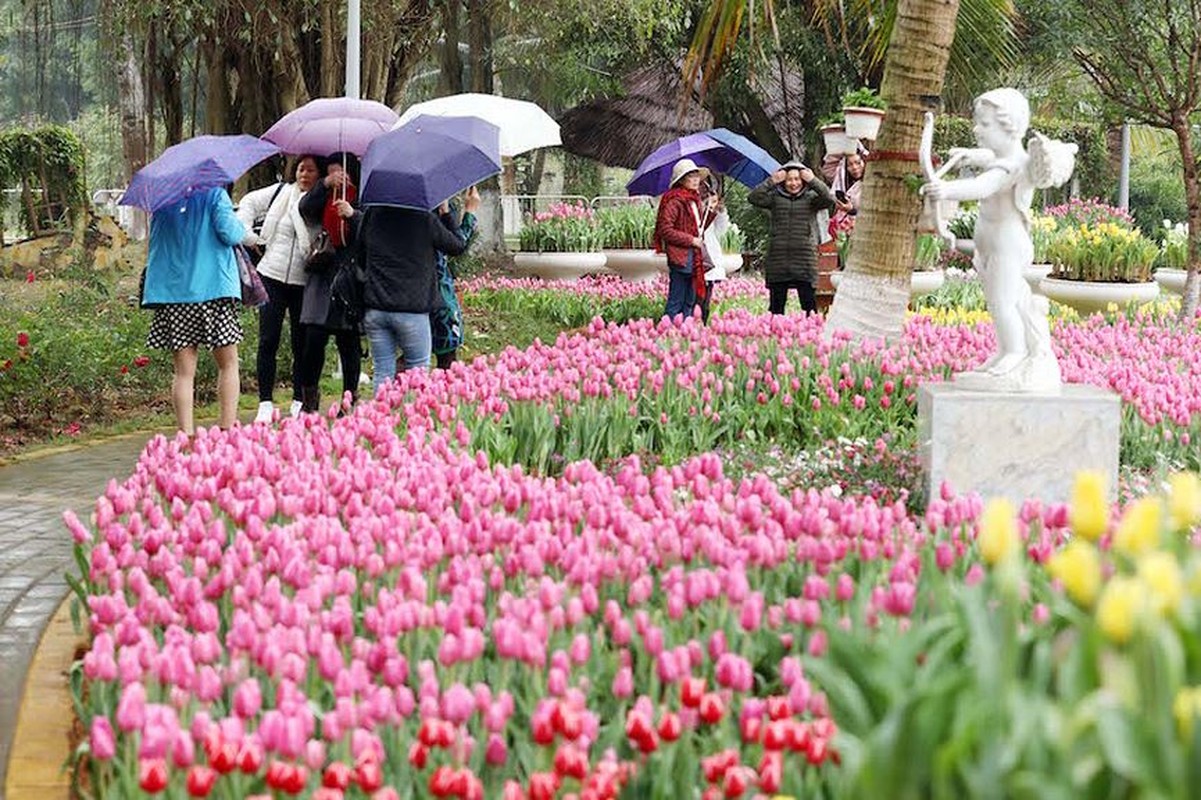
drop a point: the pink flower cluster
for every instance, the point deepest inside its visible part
(565, 211)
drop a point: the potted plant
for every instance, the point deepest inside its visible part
(626, 235)
(863, 112)
(1042, 231)
(733, 241)
(561, 243)
(963, 227)
(1095, 265)
(1171, 265)
(834, 137)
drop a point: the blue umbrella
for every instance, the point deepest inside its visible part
(428, 160)
(731, 154)
(199, 163)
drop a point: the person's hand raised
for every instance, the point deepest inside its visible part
(336, 180)
(471, 200)
(778, 176)
(806, 174)
(345, 210)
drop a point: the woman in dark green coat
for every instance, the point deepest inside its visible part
(793, 196)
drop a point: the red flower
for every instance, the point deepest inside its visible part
(670, 727)
(712, 709)
(141, 361)
(30, 277)
(368, 775)
(152, 775)
(691, 690)
(418, 755)
(250, 757)
(543, 786)
(337, 776)
(201, 780)
(22, 339)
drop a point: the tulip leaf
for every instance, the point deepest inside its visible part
(1124, 747)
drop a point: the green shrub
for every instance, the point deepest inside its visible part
(626, 226)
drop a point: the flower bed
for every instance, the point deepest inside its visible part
(435, 596)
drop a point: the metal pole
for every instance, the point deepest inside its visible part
(353, 35)
(1124, 175)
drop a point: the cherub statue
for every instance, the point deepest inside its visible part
(1004, 183)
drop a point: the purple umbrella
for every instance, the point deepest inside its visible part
(199, 163)
(718, 149)
(428, 160)
(331, 125)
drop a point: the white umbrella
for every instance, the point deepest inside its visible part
(523, 125)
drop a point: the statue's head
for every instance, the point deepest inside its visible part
(1010, 109)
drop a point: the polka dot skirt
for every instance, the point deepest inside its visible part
(211, 324)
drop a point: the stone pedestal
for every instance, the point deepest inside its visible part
(1017, 445)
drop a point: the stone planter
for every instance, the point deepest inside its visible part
(1171, 280)
(1088, 297)
(558, 266)
(1034, 275)
(920, 283)
(966, 246)
(862, 123)
(636, 265)
(836, 141)
(732, 262)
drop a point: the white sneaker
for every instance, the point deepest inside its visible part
(295, 410)
(266, 412)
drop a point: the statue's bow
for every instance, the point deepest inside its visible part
(926, 156)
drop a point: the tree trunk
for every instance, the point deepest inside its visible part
(131, 106)
(451, 78)
(479, 37)
(333, 52)
(217, 94)
(170, 92)
(874, 291)
(1192, 284)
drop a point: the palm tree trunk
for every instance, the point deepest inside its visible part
(874, 292)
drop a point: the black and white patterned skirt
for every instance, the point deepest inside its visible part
(212, 324)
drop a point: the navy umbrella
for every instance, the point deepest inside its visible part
(428, 160)
(718, 149)
(199, 163)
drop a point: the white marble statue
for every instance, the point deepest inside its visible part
(1004, 180)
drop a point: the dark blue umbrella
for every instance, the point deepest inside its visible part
(731, 154)
(199, 163)
(428, 160)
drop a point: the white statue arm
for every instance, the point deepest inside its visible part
(981, 186)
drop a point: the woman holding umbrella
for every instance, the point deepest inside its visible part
(192, 285)
(678, 228)
(287, 238)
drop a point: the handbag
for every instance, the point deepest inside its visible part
(322, 255)
(254, 294)
(346, 296)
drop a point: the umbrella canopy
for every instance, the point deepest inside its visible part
(737, 157)
(523, 125)
(428, 160)
(199, 163)
(331, 125)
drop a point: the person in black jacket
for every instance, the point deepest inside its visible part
(397, 252)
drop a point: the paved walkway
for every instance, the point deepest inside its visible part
(35, 551)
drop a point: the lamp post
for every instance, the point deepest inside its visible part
(1124, 173)
(353, 36)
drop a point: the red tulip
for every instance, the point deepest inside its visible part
(368, 775)
(570, 762)
(442, 781)
(712, 708)
(513, 791)
(336, 776)
(778, 707)
(152, 775)
(418, 755)
(543, 729)
(543, 786)
(775, 736)
(670, 727)
(751, 728)
(225, 758)
(736, 783)
(200, 780)
(771, 770)
(691, 691)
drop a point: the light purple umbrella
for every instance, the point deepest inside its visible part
(331, 125)
(199, 163)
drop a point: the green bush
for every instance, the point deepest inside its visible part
(1157, 192)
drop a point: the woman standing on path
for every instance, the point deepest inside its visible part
(446, 323)
(678, 226)
(192, 285)
(287, 238)
(318, 207)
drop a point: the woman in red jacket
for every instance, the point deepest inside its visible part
(678, 229)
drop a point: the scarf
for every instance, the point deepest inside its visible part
(334, 225)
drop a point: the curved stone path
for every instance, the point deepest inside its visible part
(35, 552)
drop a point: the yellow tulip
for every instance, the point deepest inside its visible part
(998, 531)
(1089, 509)
(1184, 500)
(1138, 532)
(1078, 568)
(1118, 609)
(1186, 708)
(1164, 580)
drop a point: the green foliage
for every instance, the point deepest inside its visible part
(47, 160)
(927, 250)
(863, 97)
(733, 240)
(563, 229)
(1093, 172)
(751, 221)
(626, 226)
(1173, 253)
(1157, 191)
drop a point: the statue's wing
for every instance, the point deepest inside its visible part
(1051, 161)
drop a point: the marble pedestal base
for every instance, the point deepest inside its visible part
(1019, 446)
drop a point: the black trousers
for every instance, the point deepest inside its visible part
(350, 351)
(283, 300)
(777, 296)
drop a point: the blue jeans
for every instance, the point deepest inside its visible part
(389, 331)
(681, 295)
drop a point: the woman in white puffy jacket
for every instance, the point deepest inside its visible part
(715, 272)
(287, 239)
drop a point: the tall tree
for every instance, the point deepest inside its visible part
(1145, 57)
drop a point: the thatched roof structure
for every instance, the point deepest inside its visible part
(621, 131)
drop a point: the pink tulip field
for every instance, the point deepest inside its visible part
(548, 573)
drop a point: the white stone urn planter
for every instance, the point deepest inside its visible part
(732, 262)
(558, 266)
(920, 283)
(1171, 280)
(1088, 297)
(836, 141)
(1034, 275)
(861, 122)
(635, 265)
